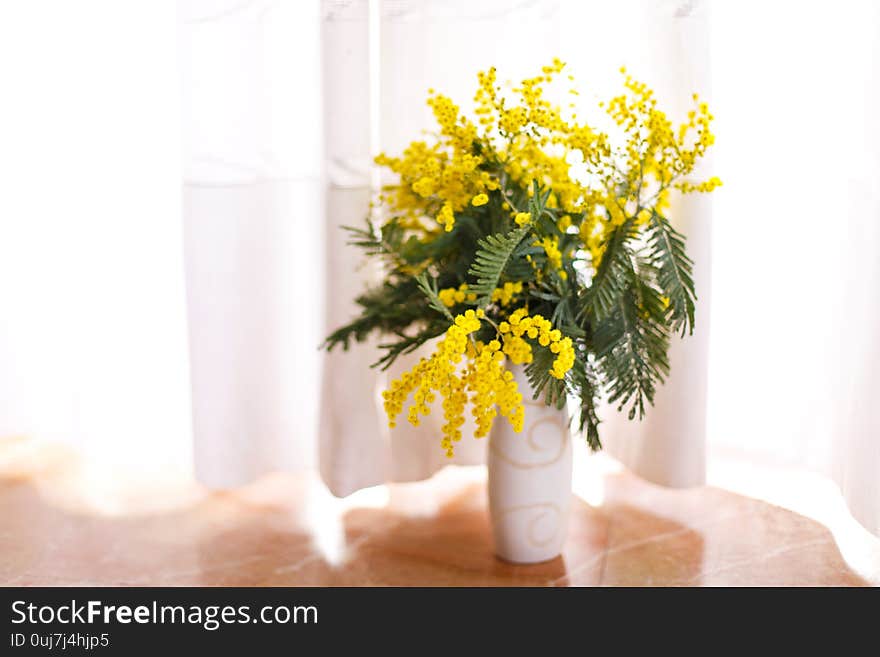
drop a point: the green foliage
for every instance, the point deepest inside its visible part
(675, 272)
(631, 348)
(429, 288)
(491, 258)
(538, 374)
(620, 315)
(620, 319)
(612, 278)
(585, 388)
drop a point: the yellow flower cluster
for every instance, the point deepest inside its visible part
(540, 329)
(522, 218)
(591, 234)
(532, 138)
(705, 186)
(504, 295)
(517, 349)
(655, 149)
(446, 217)
(451, 296)
(441, 179)
(492, 387)
(597, 182)
(483, 379)
(554, 255)
(435, 373)
(618, 216)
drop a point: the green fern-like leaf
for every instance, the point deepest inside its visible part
(429, 288)
(586, 388)
(406, 344)
(632, 352)
(540, 380)
(612, 277)
(675, 273)
(491, 258)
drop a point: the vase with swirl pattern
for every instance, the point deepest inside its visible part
(530, 481)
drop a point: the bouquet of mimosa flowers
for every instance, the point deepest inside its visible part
(523, 236)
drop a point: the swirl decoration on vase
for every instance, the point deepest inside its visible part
(541, 439)
(543, 522)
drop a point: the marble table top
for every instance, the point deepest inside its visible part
(64, 523)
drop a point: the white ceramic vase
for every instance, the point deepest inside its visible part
(530, 481)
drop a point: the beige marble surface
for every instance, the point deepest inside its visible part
(65, 523)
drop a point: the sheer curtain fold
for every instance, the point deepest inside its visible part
(92, 307)
(855, 347)
(252, 198)
(353, 452)
(795, 304)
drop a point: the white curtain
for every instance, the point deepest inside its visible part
(796, 284)
(253, 217)
(92, 306)
(153, 306)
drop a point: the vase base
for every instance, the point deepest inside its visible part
(525, 561)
